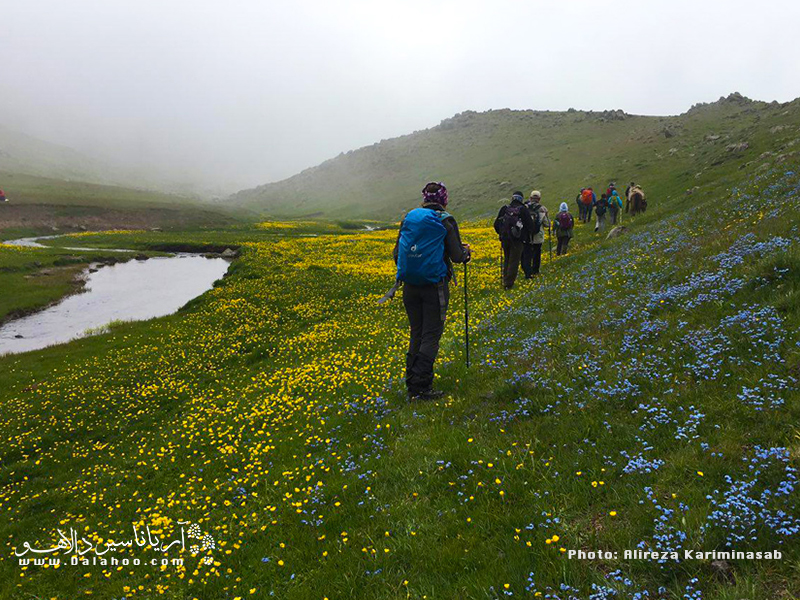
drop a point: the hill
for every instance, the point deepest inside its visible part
(41, 205)
(22, 153)
(483, 157)
(56, 188)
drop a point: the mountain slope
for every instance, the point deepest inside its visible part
(483, 157)
(54, 188)
(25, 154)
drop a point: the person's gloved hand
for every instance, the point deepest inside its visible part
(468, 250)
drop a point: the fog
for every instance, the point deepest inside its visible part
(236, 93)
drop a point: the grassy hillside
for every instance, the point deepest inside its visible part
(46, 204)
(483, 157)
(22, 153)
(54, 187)
(641, 393)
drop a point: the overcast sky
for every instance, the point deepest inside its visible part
(242, 92)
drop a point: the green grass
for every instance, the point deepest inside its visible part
(25, 188)
(41, 205)
(484, 157)
(270, 411)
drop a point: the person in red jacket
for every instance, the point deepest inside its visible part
(3, 196)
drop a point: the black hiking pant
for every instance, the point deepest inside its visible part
(512, 254)
(563, 242)
(531, 259)
(426, 307)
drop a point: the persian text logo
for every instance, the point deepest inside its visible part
(89, 549)
(206, 544)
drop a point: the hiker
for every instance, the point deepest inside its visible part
(581, 207)
(532, 248)
(563, 225)
(513, 225)
(3, 196)
(628, 196)
(612, 187)
(600, 211)
(427, 245)
(614, 206)
(589, 199)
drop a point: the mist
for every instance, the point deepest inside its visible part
(227, 95)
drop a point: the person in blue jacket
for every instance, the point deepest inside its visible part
(614, 206)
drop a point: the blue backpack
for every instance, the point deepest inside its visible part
(420, 256)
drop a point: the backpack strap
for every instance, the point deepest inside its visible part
(443, 216)
(442, 302)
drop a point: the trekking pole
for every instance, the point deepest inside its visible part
(466, 315)
(502, 266)
(550, 241)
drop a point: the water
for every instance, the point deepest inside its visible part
(33, 242)
(130, 291)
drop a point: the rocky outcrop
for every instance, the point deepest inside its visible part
(740, 147)
(618, 231)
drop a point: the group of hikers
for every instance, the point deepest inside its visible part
(520, 226)
(429, 243)
(609, 204)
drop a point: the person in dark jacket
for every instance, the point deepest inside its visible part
(514, 226)
(601, 208)
(532, 248)
(581, 206)
(426, 305)
(628, 196)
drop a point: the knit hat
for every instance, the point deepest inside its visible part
(439, 195)
(536, 194)
(563, 207)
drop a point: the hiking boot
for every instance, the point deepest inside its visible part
(430, 394)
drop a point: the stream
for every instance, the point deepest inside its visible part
(131, 291)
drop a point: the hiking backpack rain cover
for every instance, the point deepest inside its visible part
(420, 256)
(565, 221)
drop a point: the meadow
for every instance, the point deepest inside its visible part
(47, 205)
(640, 394)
